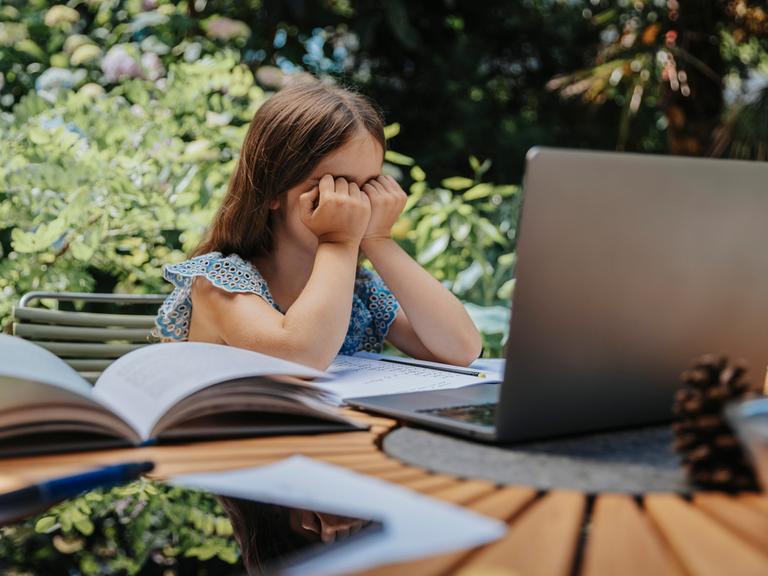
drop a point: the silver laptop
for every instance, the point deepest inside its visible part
(629, 267)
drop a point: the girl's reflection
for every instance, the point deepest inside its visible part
(268, 534)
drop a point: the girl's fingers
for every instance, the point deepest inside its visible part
(369, 189)
(326, 186)
(378, 186)
(391, 183)
(381, 181)
(342, 186)
(307, 201)
(354, 190)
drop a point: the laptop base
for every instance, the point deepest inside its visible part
(466, 411)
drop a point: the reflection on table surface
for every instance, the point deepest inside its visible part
(148, 527)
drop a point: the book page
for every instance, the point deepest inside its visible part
(144, 384)
(31, 375)
(358, 376)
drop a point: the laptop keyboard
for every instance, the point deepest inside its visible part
(480, 414)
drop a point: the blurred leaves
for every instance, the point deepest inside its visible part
(744, 133)
(463, 233)
(677, 67)
(397, 158)
(95, 185)
(124, 530)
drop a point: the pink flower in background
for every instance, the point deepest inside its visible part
(119, 64)
(153, 67)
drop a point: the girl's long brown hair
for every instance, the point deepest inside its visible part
(287, 138)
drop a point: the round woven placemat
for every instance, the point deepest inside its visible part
(630, 461)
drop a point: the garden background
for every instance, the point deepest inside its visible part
(120, 122)
(121, 119)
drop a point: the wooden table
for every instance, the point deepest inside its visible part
(557, 533)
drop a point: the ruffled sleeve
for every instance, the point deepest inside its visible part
(230, 273)
(382, 306)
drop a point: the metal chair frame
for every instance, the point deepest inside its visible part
(87, 341)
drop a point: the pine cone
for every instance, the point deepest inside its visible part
(712, 455)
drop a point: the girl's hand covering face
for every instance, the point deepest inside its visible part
(335, 210)
(387, 202)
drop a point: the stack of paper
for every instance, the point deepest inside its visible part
(367, 374)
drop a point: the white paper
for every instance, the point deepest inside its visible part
(492, 369)
(415, 525)
(31, 375)
(24, 360)
(493, 366)
(366, 375)
(143, 385)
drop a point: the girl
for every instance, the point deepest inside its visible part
(278, 269)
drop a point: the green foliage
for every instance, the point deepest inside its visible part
(463, 233)
(108, 188)
(99, 190)
(454, 58)
(461, 77)
(121, 530)
(76, 41)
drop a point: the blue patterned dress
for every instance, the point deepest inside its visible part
(373, 305)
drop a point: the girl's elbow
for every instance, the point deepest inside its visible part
(466, 357)
(470, 349)
(311, 363)
(293, 350)
(464, 352)
(299, 347)
(319, 363)
(468, 344)
(310, 356)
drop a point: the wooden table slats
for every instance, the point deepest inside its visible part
(623, 541)
(236, 452)
(505, 502)
(402, 474)
(502, 503)
(542, 541)
(704, 546)
(750, 523)
(660, 534)
(431, 483)
(464, 492)
(755, 501)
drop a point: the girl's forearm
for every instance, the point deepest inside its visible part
(438, 318)
(319, 318)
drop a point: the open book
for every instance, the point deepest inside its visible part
(169, 391)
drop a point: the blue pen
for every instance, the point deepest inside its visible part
(39, 497)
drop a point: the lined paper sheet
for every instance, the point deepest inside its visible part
(492, 368)
(366, 375)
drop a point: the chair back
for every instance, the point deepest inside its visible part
(87, 341)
